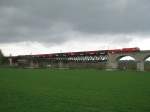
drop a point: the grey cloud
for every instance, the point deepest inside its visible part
(52, 20)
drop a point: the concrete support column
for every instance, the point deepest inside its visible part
(31, 63)
(140, 65)
(37, 64)
(112, 63)
(112, 66)
(60, 65)
(10, 62)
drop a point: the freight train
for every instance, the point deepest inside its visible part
(88, 53)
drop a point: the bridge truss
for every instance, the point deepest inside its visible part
(71, 57)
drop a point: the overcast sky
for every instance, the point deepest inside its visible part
(46, 26)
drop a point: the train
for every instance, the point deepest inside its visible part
(87, 53)
(71, 54)
(124, 50)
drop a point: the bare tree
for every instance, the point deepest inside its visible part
(1, 57)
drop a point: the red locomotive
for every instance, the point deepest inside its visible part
(124, 50)
(135, 49)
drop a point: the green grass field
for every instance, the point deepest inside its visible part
(43, 90)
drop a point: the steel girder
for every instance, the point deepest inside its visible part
(97, 58)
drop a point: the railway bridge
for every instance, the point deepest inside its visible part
(109, 57)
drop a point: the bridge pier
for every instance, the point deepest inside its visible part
(60, 65)
(10, 62)
(31, 63)
(140, 65)
(112, 66)
(112, 63)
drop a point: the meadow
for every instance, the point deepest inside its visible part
(45, 90)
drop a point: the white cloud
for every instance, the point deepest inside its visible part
(143, 43)
(78, 42)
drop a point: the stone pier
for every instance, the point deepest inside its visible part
(139, 57)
